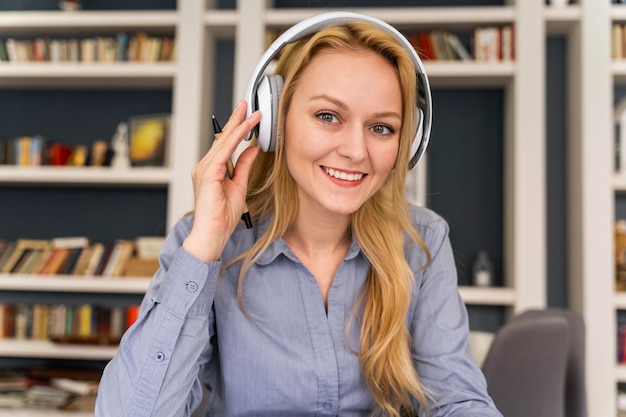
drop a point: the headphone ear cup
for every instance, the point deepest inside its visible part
(417, 140)
(267, 99)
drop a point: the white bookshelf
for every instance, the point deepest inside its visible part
(197, 30)
(591, 197)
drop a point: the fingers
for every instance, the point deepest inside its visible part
(235, 130)
(244, 163)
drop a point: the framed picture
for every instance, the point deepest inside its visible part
(148, 137)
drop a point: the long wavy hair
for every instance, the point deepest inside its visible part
(380, 225)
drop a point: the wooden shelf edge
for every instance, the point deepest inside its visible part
(619, 300)
(84, 175)
(45, 349)
(494, 296)
(427, 16)
(69, 283)
(36, 412)
(88, 19)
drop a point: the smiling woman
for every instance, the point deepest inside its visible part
(338, 150)
(342, 298)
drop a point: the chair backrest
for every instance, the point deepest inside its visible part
(525, 367)
(575, 386)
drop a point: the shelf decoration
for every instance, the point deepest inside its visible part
(149, 135)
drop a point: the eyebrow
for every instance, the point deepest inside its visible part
(341, 105)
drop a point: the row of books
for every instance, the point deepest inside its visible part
(79, 256)
(65, 323)
(139, 47)
(488, 43)
(55, 388)
(37, 150)
(491, 43)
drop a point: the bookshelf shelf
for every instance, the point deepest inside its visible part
(619, 184)
(494, 296)
(469, 73)
(69, 283)
(28, 412)
(618, 69)
(561, 20)
(103, 75)
(618, 13)
(221, 22)
(59, 23)
(620, 300)
(46, 349)
(458, 18)
(90, 175)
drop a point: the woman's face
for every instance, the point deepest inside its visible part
(342, 130)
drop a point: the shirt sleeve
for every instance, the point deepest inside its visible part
(155, 372)
(440, 332)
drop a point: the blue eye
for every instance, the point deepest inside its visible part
(327, 117)
(383, 130)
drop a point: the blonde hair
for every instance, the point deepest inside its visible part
(379, 225)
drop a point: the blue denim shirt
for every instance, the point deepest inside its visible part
(290, 356)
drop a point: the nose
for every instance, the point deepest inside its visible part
(353, 144)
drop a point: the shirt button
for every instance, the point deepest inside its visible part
(159, 357)
(327, 406)
(192, 286)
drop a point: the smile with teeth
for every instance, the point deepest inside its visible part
(343, 175)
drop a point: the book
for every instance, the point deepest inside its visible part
(128, 248)
(70, 242)
(149, 247)
(70, 261)
(4, 56)
(141, 267)
(28, 261)
(63, 254)
(457, 46)
(82, 261)
(103, 260)
(7, 253)
(97, 251)
(132, 313)
(21, 246)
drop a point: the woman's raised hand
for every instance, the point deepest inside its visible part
(219, 200)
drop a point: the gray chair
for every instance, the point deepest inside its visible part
(575, 387)
(526, 366)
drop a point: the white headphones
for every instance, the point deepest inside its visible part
(263, 92)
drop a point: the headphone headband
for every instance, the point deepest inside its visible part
(314, 24)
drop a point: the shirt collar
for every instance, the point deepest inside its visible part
(280, 247)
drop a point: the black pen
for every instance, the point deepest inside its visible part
(217, 131)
